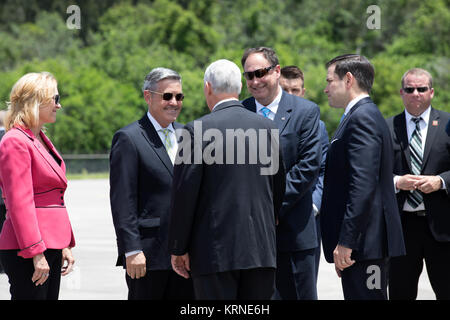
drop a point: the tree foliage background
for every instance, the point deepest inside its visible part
(101, 67)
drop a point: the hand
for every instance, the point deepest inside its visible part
(428, 184)
(67, 256)
(181, 265)
(341, 257)
(407, 182)
(41, 269)
(136, 265)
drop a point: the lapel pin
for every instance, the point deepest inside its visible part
(435, 123)
(283, 118)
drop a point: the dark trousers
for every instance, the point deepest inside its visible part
(248, 284)
(420, 245)
(296, 275)
(366, 280)
(317, 251)
(160, 285)
(2, 219)
(20, 272)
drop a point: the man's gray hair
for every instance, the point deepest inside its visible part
(224, 76)
(156, 75)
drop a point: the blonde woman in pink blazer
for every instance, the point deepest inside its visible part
(36, 238)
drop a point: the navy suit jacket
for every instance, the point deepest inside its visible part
(141, 180)
(318, 189)
(359, 209)
(436, 161)
(298, 122)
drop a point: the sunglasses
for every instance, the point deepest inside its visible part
(257, 73)
(168, 96)
(57, 98)
(410, 90)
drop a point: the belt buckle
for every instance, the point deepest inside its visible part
(421, 213)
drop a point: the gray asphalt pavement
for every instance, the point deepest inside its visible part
(95, 276)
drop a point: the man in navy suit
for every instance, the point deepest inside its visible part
(360, 222)
(292, 81)
(141, 166)
(422, 179)
(298, 122)
(224, 203)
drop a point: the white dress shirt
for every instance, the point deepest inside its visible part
(172, 152)
(273, 106)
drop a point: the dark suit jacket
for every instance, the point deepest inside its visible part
(223, 215)
(359, 209)
(298, 122)
(318, 188)
(141, 180)
(436, 161)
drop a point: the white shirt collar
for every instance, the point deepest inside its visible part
(157, 125)
(224, 100)
(425, 116)
(352, 103)
(273, 106)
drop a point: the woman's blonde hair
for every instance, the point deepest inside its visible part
(27, 94)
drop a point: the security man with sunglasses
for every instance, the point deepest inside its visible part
(298, 122)
(422, 181)
(141, 171)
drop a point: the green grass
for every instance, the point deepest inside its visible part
(87, 175)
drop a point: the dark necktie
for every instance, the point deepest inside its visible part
(415, 197)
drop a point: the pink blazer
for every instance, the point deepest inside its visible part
(33, 185)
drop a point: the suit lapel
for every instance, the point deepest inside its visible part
(431, 135)
(402, 136)
(344, 121)
(283, 113)
(152, 137)
(59, 170)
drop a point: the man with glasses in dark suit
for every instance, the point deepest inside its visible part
(298, 122)
(422, 181)
(141, 169)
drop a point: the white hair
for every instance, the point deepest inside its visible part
(224, 76)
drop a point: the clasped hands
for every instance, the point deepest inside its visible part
(425, 184)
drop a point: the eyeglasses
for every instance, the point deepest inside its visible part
(57, 98)
(257, 73)
(168, 95)
(410, 90)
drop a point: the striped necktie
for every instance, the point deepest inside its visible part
(167, 142)
(266, 112)
(415, 197)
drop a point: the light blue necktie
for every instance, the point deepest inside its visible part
(266, 112)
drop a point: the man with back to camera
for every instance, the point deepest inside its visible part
(360, 223)
(298, 122)
(293, 82)
(422, 181)
(222, 223)
(141, 170)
